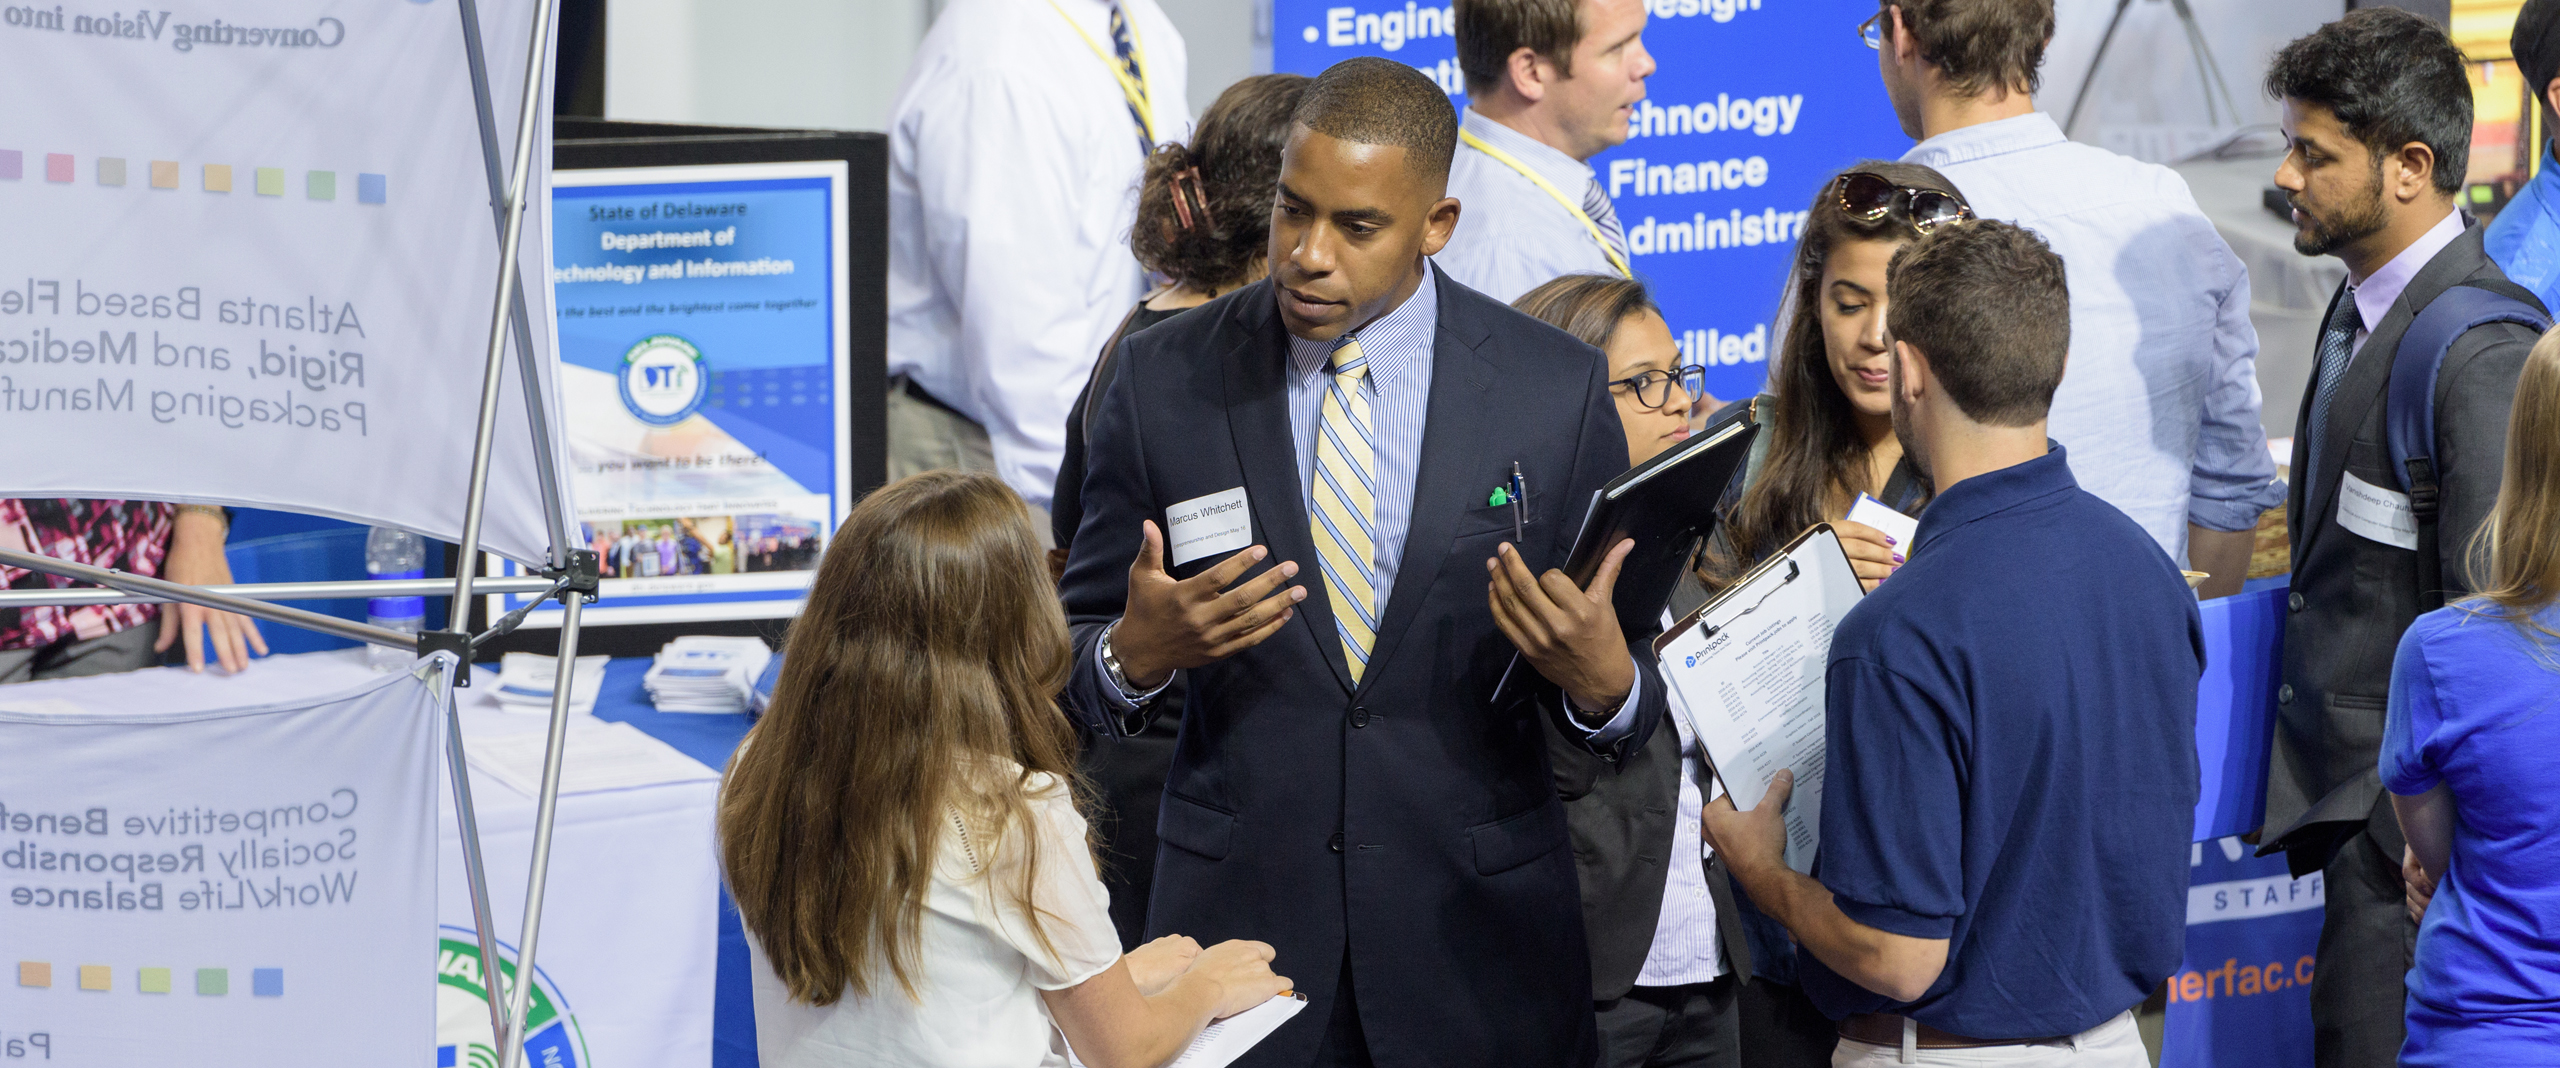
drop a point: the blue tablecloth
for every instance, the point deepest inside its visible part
(709, 739)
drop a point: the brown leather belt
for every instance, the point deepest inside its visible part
(1879, 1029)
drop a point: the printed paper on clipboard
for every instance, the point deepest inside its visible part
(1747, 670)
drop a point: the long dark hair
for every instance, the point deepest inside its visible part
(929, 655)
(1814, 445)
(1204, 209)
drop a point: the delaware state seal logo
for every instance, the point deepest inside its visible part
(552, 1040)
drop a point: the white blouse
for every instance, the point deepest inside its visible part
(980, 972)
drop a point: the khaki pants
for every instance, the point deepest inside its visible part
(928, 437)
(125, 650)
(2116, 1043)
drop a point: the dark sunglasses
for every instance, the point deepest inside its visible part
(1868, 196)
(1653, 388)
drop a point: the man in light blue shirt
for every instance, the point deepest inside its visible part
(2524, 240)
(2159, 407)
(1550, 84)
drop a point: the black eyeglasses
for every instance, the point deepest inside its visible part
(1653, 388)
(1868, 196)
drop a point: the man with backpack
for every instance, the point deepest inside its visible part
(2396, 461)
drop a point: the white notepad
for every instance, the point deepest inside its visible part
(1223, 1041)
(598, 756)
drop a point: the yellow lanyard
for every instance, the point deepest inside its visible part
(1134, 89)
(1534, 178)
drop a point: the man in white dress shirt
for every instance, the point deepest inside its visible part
(1550, 84)
(1014, 154)
(2159, 407)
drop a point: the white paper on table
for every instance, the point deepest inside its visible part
(525, 681)
(1220, 1043)
(1901, 528)
(597, 756)
(1748, 672)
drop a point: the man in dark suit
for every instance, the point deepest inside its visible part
(1344, 786)
(2377, 114)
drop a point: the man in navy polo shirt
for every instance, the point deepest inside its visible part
(2011, 775)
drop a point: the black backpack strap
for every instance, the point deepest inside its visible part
(2410, 408)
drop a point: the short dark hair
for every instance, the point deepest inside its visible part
(2391, 78)
(1588, 306)
(1980, 45)
(1987, 303)
(1377, 101)
(1489, 31)
(1211, 236)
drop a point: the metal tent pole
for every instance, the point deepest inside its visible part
(278, 591)
(492, 974)
(537, 411)
(521, 1002)
(156, 589)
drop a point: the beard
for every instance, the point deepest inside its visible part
(2364, 217)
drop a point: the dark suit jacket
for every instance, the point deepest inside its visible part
(1406, 823)
(2352, 596)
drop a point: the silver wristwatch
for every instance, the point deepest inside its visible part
(1111, 663)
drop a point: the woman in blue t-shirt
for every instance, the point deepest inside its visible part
(2468, 752)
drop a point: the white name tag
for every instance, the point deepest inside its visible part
(1206, 526)
(2377, 513)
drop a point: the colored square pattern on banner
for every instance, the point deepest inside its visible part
(97, 977)
(152, 981)
(321, 185)
(164, 174)
(34, 973)
(110, 170)
(57, 166)
(270, 181)
(373, 189)
(13, 164)
(213, 982)
(266, 982)
(217, 177)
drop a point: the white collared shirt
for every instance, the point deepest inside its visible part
(1687, 943)
(2159, 406)
(1013, 174)
(1512, 237)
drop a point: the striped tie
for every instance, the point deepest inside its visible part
(1346, 506)
(1133, 79)
(1595, 203)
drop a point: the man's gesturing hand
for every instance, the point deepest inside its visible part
(1171, 625)
(1571, 636)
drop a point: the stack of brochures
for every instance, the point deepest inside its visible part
(525, 680)
(700, 673)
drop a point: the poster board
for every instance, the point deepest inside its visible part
(1753, 105)
(709, 493)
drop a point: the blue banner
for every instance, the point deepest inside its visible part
(2243, 995)
(1754, 104)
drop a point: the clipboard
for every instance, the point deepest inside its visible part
(1747, 672)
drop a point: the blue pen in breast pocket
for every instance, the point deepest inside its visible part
(1519, 504)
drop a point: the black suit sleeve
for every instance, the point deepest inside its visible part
(1095, 589)
(2475, 393)
(1600, 454)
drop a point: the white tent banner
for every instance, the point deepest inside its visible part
(229, 887)
(250, 260)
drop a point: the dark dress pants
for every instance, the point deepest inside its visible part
(2358, 1000)
(1691, 1026)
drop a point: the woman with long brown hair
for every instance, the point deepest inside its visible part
(900, 830)
(2471, 729)
(1829, 432)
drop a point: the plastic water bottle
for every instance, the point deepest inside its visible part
(394, 554)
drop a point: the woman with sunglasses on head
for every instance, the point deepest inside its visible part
(1826, 437)
(1662, 981)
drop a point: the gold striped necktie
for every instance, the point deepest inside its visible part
(1345, 513)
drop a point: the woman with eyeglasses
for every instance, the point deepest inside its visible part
(1663, 984)
(1826, 437)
